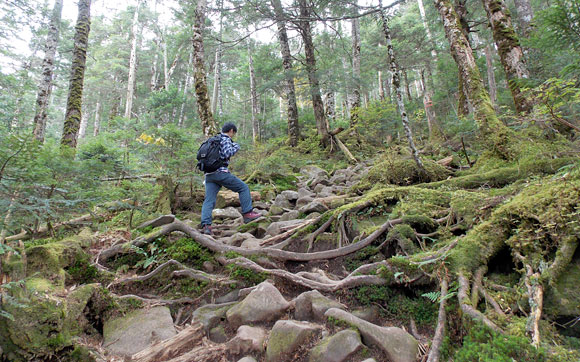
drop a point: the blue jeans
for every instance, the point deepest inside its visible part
(213, 183)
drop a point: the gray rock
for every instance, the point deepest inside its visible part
(210, 314)
(230, 297)
(287, 336)
(227, 213)
(369, 314)
(282, 202)
(276, 210)
(319, 180)
(137, 330)
(218, 334)
(399, 345)
(263, 304)
(338, 178)
(313, 171)
(260, 205)
(247, 359)
(275, 228)
(336, 348)
(160, 221)
(326, 191)
(312, 305)
(304, 192)
(237, 239)
(319, 188)
(290, 215)
(303, 201)
(314, 206)
(251, 243)
(290, 195)
(208, 266)
(248, 339)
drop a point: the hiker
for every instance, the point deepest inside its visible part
(223, 177)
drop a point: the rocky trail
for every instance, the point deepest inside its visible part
(333, 271)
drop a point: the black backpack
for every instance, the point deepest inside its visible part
(208, 155)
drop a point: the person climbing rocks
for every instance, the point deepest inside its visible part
(223, 177)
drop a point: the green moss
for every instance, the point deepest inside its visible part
(483, 344)
(247, 276)
(40, 285)
(186, 250)
(363, 256)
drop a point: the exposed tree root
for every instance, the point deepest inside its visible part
(287, 233)
(318, 231)
(184, 271)
(321, 281)
(214, 246)
(434, 352)
(470, 310)
(25, 235)
(533, 283)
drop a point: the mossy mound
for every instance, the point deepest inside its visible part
(41, 324)
(402, 171)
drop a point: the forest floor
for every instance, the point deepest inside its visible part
(371, 261)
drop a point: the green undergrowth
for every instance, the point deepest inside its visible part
(246, 276)
(187, 251)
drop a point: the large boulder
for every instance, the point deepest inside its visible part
(290, 195)
(314, 206)
(287, 336)
(312, 305)
(227, 198)
(399, 345)
(263, 304)
(336, 348)
(282, 201)
(290, 215)
(132, 333)
(312, 171)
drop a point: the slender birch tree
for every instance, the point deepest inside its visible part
(399, 91)
(132, 62)
(72, 116)
(355, 97)
(45, 86)
(253, 96)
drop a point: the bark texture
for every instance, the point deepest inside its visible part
(132, 63)
(45, 86)
(306, 32)
(496, 135)
(510, 52)
(254, 97)
(72, 117)
(97, 124)
(491, 75)
(208, 124)
(525, 16)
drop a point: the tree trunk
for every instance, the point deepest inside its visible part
(132, 63)
(185, 90)
(293, 126)
(217, 79)
(306, 33)
(97, 127)
(381, 87)
(153, 82)
(208, 124)
(165, 63)
(84, 124)
(426, 27)
(434, 130)
(253, 96)
(510, 51)
(525, 16)
(407, 88)
(72, 117)
(399, 93)
(491, 76)
(330, 106)
(463, 106)
(497, 136)
(45, 86)
(355, 71)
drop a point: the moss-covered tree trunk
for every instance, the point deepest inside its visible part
(306, 32)
(399, 93)
(510, 51)
(132, 63)
(490, 75)
(45, 86)
(72, 118)
(208, 124)
(495, 134)
(293, 126)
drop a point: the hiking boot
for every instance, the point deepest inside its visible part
(206, 229)
(250, 216)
